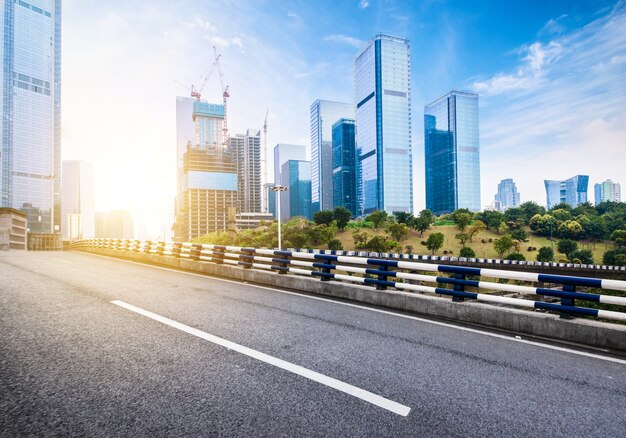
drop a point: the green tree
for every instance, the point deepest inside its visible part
(467, 252)
(328, 232)
(620, 259)
(520, 235)
(335, 244)
(462, 220)
(515, 256)
(491, 218)
(545, 254)
(298, 239)
(379, 244)
(377, 218)
(423, 221)
(434, 242)
(562, 206)
(561, 215)
(323, 217)
(502, 245)
(398, 231)
(403, 217)
(514, 214)
(584, 256)
(594, 227)
(540, 224)
(427, 215)
(567, 246)
(342, 215)
(476, 228)
(619, 238)
(530, 209)
(462, 238)
(503, 228)
(570, 230)
(360, 238)
(612, 256)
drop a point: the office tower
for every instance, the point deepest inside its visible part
(209, 178)
(345, 170)
(572, 191)
(452, 153)
(116, 224)
(324, 114)
(283, 153)
(30, 155)
(507, 196)
(296, 201)
(382, 88)
(77, 195)
(607, 191)
(245, 152)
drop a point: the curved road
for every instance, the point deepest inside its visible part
(101, 347)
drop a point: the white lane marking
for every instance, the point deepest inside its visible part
(385, 312)
(354, 391)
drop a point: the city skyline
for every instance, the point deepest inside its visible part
(514, 69)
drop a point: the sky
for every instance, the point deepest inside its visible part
(551, 79)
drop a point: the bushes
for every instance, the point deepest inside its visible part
(515, 256)
(467, 252)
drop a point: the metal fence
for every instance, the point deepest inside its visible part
(457, 282)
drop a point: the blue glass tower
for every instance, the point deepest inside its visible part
(452, 153)
(30, 154)
(572, 191)
(382, 84)
(345, 165)
(296, 201)
(324, 114)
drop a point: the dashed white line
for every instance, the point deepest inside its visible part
(354, 391)
(385, 312)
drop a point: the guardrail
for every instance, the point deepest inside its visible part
(463, 282)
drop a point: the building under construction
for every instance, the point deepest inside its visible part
(208, 177)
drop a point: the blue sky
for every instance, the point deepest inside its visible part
(551, 77)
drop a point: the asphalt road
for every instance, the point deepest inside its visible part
(73, 363)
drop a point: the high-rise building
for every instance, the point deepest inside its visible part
(116, 224)
(507, 196)
(284, 152)
(209, 178)
(382, 88)
(452, 154)
(572, 191)
(78, 205)
(607, 191)
(345, 169)
(30, 153)
(296, 201)
(324, 114)
(245, 152)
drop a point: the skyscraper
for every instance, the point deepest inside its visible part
(452, 154)
(30, 155)
(296, 201)
(572, 191)
(345, 169)
(284, 152)
(78, 205)
(507, 196)
(324, 114)
(607, 191)
(382, 88)
(245, 152)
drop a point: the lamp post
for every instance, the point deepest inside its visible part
(278, 188)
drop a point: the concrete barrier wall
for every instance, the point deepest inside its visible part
(582, 331)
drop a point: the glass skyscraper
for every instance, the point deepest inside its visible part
(324, 114)
(382, 88)
(572, 191)
(296, 175)
(507, 196)
(345, 169)
(30, 155)
(452, 155)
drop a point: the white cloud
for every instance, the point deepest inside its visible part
(363, 4)
(554, 26)
(205, 25)
(344, 39)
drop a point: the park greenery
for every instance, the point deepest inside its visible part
(584, 234)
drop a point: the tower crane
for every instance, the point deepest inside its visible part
(225, 93)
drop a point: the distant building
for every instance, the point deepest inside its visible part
(507, 196)
(13, 228)
(209, 177)
(452, 153)
(382, 84)
(345, 167)
(296, 201)
(116, 224)
(282, 153)
(245, 152)
(77, 206)
(30, 151)
(607, 191)
(324, 114)
(572, 191)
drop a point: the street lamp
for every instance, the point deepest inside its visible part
(278, 188)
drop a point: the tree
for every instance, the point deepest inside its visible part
(398, 231)
(379, 244)
(428, 215)
(619, 237)
(567, 247)
(503, 228)
(462, 220)
(298, 239)
(561, 206)
(612, 256)
(323, 217)
(570, 230)
(360, 238)
(620, 260)
(467, 252)
(327, 232)
(530, 209)
(542, 224)
(434, 242)
(584, 256)
(545, 254)
(502, 245)
(462, 238)
(561, 215)
(515, 256)
(476, 228)
(403, 217)
(491, 218)
(342, 215)
(594, 227)
(335, 244)
(514, 214)
(423, 221)
(377, 218)
(520, 235)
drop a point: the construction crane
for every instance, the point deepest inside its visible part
(225, 93)
(197, 93)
